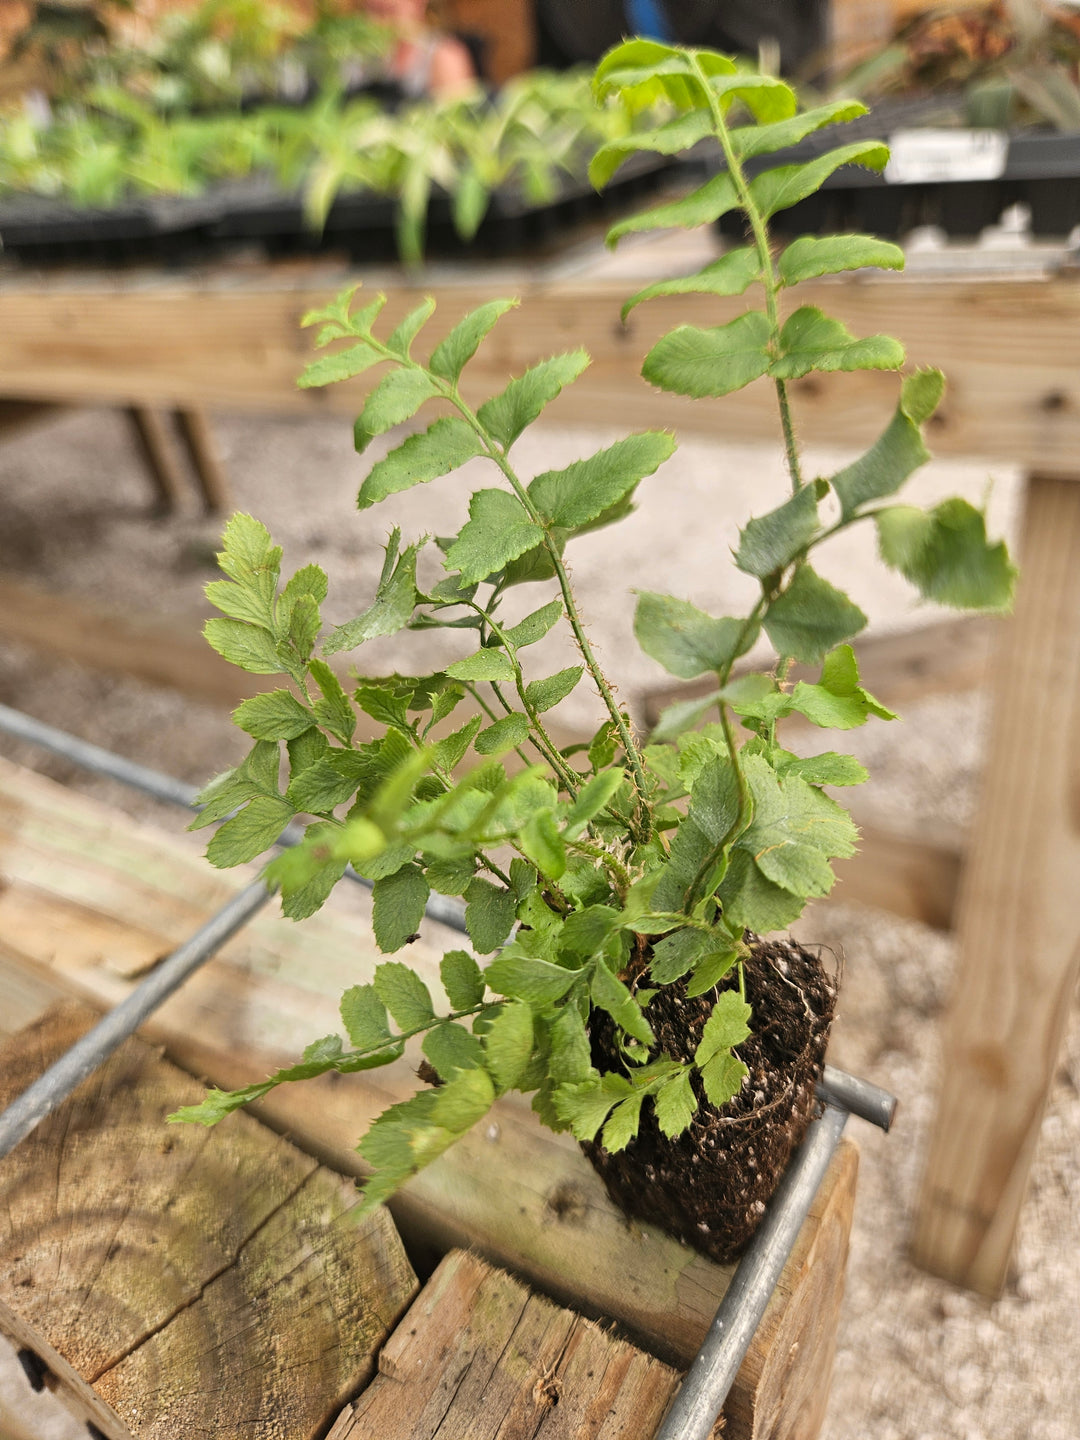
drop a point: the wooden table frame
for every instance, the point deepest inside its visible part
(1011, 350)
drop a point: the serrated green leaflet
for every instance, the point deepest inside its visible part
(622, 1124)
(725, 1027)
(812, 255)
(401, 339)
(779, 189)
(505, 734)
(686, 641)
(508, 1045)
(342, 365)
(249, 646)
(545, 694)
(609, 992)
(505, 416)
(333, 710)
(451, 355)
(714, 799)
(392, 609)
(535, 626)
(543, 845)
(675, 954)
(828, 769)
(667, 139)
(248, 834)
(810, 617)
(450, 1047)
(489, 914)
(442, 447)
(273, 715)
(811, 340)
(396, 398)
(404, 994)
(462, 980)
(584, 490)
(730, 275)
(695, 362)
(898, 453)
(320, 788)
(675, 1105)
(752, 902)
(750, 140)
(484, 665)
(498, 531)
(946, 555)
(722, 1078)
(398, 908)
(771, 542)
(364, 1016)
(767, 98)
(522, 978)
(702, 207)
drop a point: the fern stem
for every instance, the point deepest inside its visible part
(768, 273)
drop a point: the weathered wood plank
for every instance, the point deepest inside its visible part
(478, 1355)
(159, 652)
(1019, 927)
(523, 1197)
(182, 343)
(199, 1281)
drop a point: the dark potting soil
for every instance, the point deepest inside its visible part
(710, 1185)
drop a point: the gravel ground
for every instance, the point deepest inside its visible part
(917, 1359)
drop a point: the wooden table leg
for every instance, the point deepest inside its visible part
(1019, 925)
(160, 457)
(209, 471)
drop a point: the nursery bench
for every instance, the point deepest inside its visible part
(92, 899)
(1010, 345)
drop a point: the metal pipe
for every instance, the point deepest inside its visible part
(858, 1097)
(710, 1377)
(54, 1086)
(444, 909)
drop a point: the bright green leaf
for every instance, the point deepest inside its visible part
(506, 733)
(695, 362)
(898, 452)
(391, 610)
(404, 994)
(272, 715)
(732, 274)
(811, 340)
(248, 834)
(442, 447)
(810, 617)
(722, 1078)
(675, 1104)
(785, 186)
(249, 646)
(341, 365)
(508, 1045)
(726, 1026)
(812, 255)
(489, 914)
(537, 982)
(945, 554)
(462, 979)
(535, 626)
(364, 1016)
(543, 845)
(771, 542)
(498, 531)
(686, 641)
(544, 694)
(450, 1047)
(505, 416)
(584, 490)
(487, 664)
(399, 902)
(622, 1124)
(451, 355)
(396, 398)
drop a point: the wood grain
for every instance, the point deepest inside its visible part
(200, 1281)
(524, 1198)
(1011, 350)
(479, 1356)
(1019, 928)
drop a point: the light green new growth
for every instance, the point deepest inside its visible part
(625, 866)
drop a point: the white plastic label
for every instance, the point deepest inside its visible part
(921, 157)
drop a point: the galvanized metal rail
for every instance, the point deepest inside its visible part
(701, 1397)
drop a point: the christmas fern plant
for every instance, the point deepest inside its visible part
(593, 876)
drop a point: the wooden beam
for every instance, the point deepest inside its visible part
(1011, 350)
(945, 658)
(210, 473)
(479, 1355)
(159, 652)
(521, 1196)
(158, 454)
(19, 415)
(196, 1283)
(916, 879)
(1019, 927)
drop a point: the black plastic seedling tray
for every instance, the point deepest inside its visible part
(181, 229)
(1042, 170)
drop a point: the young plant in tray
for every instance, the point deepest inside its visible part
(617, 892)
